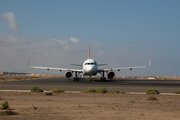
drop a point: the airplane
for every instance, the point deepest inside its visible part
(90, 68)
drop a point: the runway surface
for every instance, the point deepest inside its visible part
(127, 85)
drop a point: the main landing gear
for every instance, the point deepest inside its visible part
(76, 78)
(103, 78)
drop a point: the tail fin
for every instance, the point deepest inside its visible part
(29, 62)
(150, 62)
(88, 52)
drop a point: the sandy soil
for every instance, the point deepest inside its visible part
(69, 106)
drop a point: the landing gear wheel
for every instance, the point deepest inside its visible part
(76, 78)
(103, 78)
(90, 79)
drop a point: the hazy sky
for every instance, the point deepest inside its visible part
(121, 33)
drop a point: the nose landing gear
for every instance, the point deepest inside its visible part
(90, 79)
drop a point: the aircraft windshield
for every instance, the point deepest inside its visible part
(90, 63)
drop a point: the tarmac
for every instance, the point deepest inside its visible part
(131, 86)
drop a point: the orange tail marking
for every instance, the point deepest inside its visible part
(88, 52)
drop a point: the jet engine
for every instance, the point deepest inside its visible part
(69, 74)
(110, 74)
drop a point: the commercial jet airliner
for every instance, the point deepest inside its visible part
(90, 68)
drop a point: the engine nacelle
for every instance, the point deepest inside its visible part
(69, 75)
(110, 74)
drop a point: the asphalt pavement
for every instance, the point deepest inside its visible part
(126, 85)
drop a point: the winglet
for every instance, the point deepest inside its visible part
(88, 52)
(150, 62)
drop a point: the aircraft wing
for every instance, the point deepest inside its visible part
(51, 68)
(124, 68)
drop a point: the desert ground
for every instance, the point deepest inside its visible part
(71, 106)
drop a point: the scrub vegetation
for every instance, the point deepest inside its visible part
(48, 93)
(101, 90)
(58, 90)
(115, 91)
(152, 91)
(122, 92)
(8, 112)
(36, 89)
(152, 98)
(4, 105)
(177, 92)
(89, 91)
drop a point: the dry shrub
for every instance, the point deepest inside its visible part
(8, 112)
(58, 90)
(152, 98)
(48, 93)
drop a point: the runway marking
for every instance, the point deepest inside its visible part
(88, 86)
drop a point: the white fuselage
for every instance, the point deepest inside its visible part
(90, 67)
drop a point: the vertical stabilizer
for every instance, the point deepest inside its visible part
(88, 52)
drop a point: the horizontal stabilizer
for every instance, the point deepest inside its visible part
(102, 64)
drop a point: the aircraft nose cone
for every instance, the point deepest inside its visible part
(90, 70)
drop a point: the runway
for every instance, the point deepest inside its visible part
(126, 85)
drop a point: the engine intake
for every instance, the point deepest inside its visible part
(69, 75)
(110, 74)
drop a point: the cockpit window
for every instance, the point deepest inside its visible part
(90, 63)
